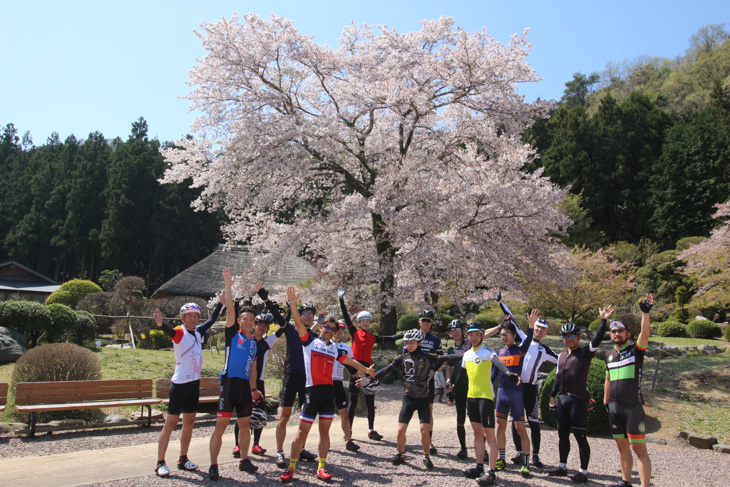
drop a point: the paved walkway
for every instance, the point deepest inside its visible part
(97, 466)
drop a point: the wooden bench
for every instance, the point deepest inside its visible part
(40, 397)
(210, 390)
(3, 396)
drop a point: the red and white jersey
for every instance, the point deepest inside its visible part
(188, 355)
(338, 373)
(319, 359)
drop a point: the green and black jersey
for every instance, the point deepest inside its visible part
(624, 370)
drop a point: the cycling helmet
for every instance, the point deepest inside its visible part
(456, 325)
(258, 418)
(372, 388)
(413, 335)
(541, 322)
(474, 326)
(189, 308)
(307, 307)
(267, 318)
(426, 313)
(569, 329)
(364, 315)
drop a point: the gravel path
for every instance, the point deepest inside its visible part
(672, 466)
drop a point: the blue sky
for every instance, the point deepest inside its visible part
(79, 66)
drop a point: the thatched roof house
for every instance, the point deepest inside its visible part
(204, 278)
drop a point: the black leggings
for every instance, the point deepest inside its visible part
(529, 395)
(369, 402)
(572, 416)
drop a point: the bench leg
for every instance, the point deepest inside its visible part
(149, 415)
(31, 424)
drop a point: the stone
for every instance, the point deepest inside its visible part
(683, 434)
(720, 448)
(13, 344)
(706, 349)
(702, 441)
(115, 418)
(6, 428)
(655, 440)
(137, 415)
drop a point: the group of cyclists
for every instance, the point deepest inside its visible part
(314, 373)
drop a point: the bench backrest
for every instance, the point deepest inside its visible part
(209, 386)
(3, 393)
(28, 393)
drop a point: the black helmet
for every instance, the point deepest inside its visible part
(426, 313)
(267, 318)
(569, 329)
(307, 307)
(456, 325)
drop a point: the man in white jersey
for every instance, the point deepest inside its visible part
(338, 378)
(187, 342)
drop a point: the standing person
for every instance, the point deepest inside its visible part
(338, 380)
(362, 349)
(417, 368)
(320, 354)
(295, 380)
(460, 389)
(431, 344)
(477, 363)
(536, 355)
(440, 382)
(238, 382)
(509, 395)
(264, 342)
(187, 342)
(572, 403)
(622, 395)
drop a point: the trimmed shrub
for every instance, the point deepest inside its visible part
(28, 317)
(598, 418)
(407, 322)
(71, 292)
(703, 329)
(595, 324)
(85, 328)
(57, 362)
(671, 329)
(64, 321)
(441, 323)
(160, 340)
(485, 321)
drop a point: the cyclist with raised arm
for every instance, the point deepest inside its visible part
(572, 395)
(622, 394)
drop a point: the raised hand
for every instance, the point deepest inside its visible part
(158, 318)
(605, 313)
(227, 279)
(341, 292)
(262, 292)
(533, 317)
(645, 305)
(221, 296)
(292, 295)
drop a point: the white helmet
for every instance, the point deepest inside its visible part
(189, 308)
(413, 335)
(258, 418)
(364, 315)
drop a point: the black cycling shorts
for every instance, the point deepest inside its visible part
(318, 400)
(627, 421)
(184, 398)
(480, 410)
(571, 411)
(340, 395)
(295, 382)
(431, 391)
(235, 394)
(410, 406)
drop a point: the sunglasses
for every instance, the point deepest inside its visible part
(565, 337)
(307, 313)
(330, 328)
(425, 320)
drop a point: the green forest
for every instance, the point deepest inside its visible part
(642, 147)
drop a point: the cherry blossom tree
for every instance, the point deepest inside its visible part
(708, 263)
(582, 282)
(393, 161)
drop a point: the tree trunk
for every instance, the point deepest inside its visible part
(386, 258)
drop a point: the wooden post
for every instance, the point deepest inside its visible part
(656, 367)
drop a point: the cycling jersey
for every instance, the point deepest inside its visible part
(512, 357)
(240, 354)
(416, 368)
(338, 373)
(461, 349)
(431, 344)
(319, 359)
(263, 347)
(624, 370)
(188, 348)
(478, 366)
(363, 341)
(536, 355)
(573, 367)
